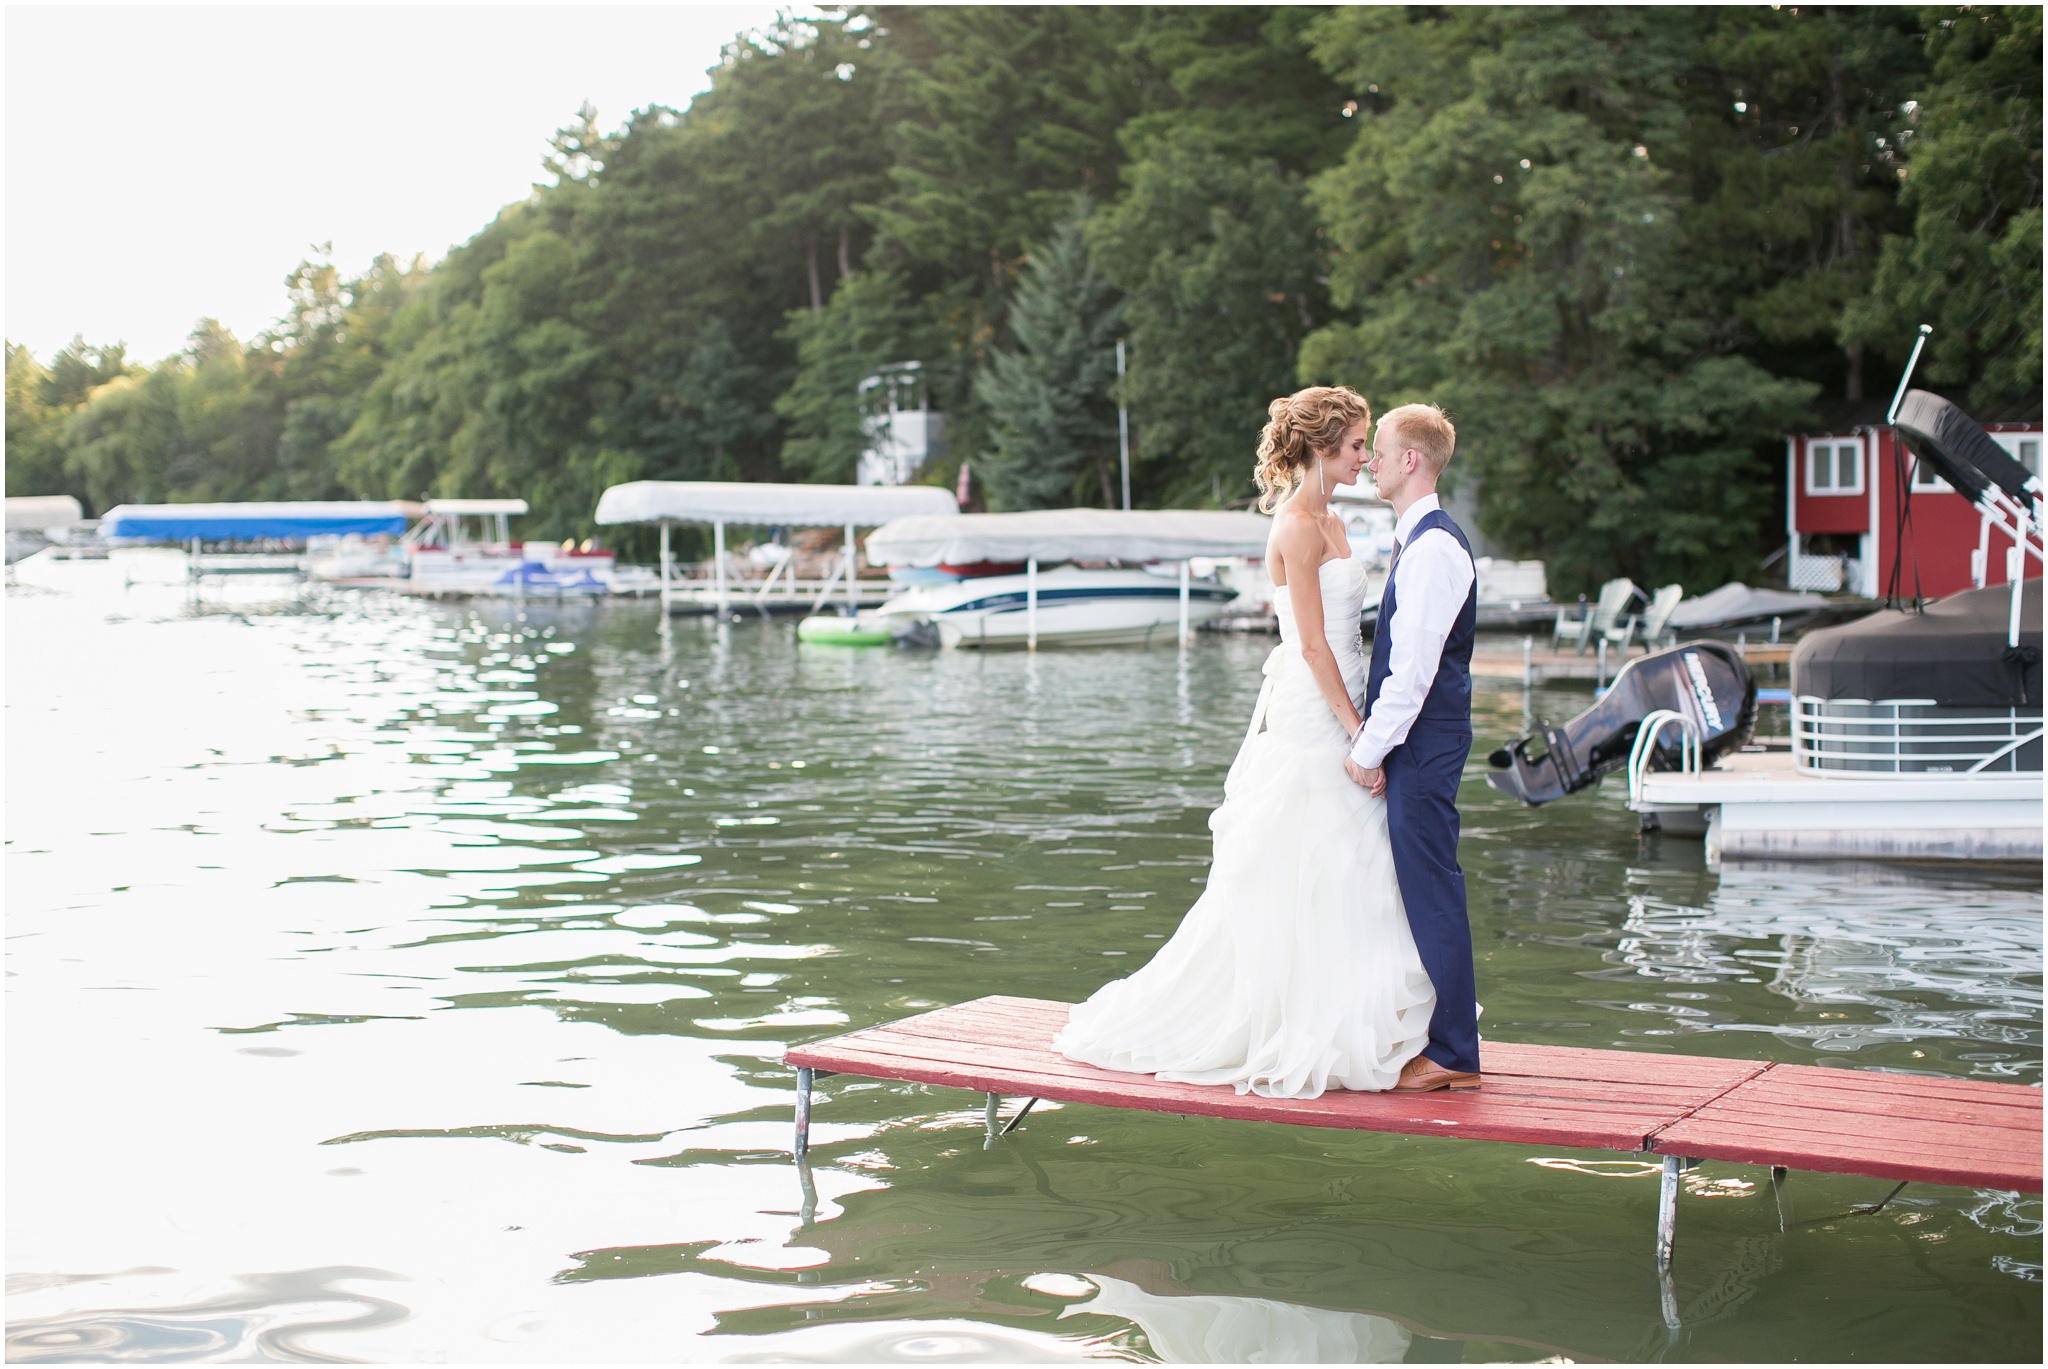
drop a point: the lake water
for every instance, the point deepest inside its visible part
(407, 981)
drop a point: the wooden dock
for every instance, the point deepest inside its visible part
(1498, 657)
(1904, 1127)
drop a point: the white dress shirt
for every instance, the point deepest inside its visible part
(1432, 576)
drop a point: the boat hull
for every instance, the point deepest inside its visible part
(1076, 607)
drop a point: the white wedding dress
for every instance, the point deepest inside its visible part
(1295, 970)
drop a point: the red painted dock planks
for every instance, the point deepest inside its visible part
(1956, 1131)
(1887, 1126)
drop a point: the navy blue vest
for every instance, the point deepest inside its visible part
(1450, 697)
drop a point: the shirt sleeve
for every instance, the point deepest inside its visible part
(1431, 580)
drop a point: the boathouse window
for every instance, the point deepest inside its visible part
(1834, 467)
(1927, 480)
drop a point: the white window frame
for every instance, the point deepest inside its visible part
(1833, 444)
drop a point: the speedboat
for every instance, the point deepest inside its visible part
(1076, 605)
(1058, 577)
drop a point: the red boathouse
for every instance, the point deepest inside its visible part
(1845, 482)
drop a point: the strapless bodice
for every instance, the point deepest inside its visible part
(1343, 586)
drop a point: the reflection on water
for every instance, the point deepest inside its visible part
(353, 935)
(264, 1317)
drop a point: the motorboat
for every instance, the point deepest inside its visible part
(1059, 577)
(1075, 605)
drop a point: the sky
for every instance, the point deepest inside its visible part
(168, 163)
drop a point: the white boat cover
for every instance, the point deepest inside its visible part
(765, 505)
(469, 508)
(963, 539)
(249, 522)
(36, 512)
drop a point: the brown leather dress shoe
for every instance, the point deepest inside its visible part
(1424, 1075)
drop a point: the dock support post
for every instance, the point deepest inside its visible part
(1528, 662)
(1667, 1210)
(1030, 606)
(989, 1113)
(1778, 1196)
(803, 1112)
(1022, 1113)
(664, 569)
(852, 577)
(1184, 589)
(718, 561)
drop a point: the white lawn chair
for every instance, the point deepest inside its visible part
(1600, 624)
(1657, 617)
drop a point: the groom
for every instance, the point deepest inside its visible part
(1418, 728)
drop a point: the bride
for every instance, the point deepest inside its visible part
(1295, 970)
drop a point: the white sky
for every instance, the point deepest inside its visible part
(170, 163)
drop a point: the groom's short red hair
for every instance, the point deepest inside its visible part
(1423, 427)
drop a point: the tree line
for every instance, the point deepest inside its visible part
(1626, 248)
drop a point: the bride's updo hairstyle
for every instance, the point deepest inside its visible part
(1299, 426)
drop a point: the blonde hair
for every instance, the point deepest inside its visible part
(1299, 426)
(1423, 427)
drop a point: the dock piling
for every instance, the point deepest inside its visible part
(803, 1112)
(1667, 1210)
(1778, 1196)
(995, 1101)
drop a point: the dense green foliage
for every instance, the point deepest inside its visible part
(1625, 247)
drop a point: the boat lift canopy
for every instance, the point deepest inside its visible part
(41, 512)
(250, 522)
(1046, 535)
(765, 505)
(719, 502)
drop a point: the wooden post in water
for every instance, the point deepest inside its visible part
(852, 577)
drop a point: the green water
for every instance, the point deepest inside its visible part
(399, 981)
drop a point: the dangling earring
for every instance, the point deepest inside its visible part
(1322, 481)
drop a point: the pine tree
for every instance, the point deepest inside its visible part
(1049, 400)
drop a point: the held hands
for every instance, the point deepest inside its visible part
(1374, 780)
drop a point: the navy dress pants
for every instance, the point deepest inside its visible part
(1422, 817)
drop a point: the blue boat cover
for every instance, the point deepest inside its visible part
(250, 522)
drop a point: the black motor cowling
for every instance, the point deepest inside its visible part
(1706, 681)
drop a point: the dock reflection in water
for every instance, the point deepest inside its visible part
(398, 981)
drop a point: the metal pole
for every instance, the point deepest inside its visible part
(1030, 611)
(852, 576)
(664, 568)
(2016, 573)
(803, 1112)
(1184, 573)
(718, 563)
(989, 1113)
(1123, 427)
(1891, 415)
(1601, 683)
(1667, 1210)
(1528, 662)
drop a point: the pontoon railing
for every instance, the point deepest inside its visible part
(1910, 738)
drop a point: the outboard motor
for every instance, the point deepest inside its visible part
(1706, 681)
